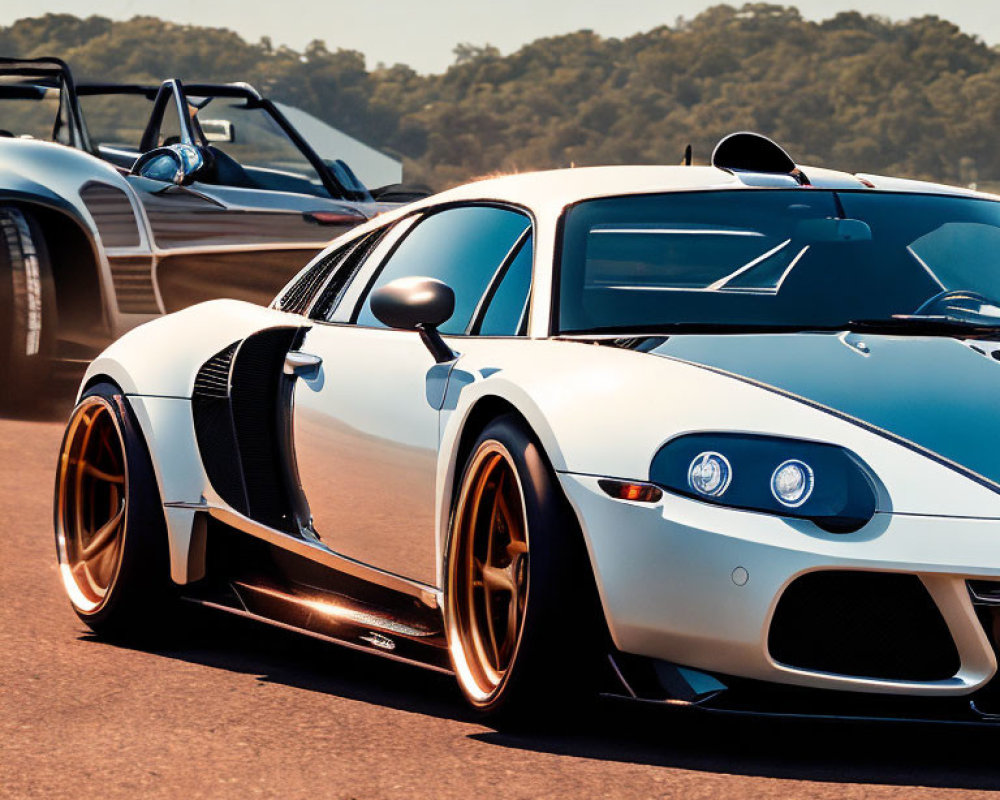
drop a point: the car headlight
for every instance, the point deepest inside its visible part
(821, 482)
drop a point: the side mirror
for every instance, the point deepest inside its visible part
(175, 163)
(417, 304)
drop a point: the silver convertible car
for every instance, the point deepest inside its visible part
(720, 437)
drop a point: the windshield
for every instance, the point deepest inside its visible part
(250, 148)
(116, 120)
(31, 110)
(770, 258)
(250, 136)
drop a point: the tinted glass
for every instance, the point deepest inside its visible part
(251, 150)
(29, 109)
(774, 258)
(506, 309)
(118, 120)
(463, 247)
(260, 154)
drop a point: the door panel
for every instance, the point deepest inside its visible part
(366, 427)
(254, 276)
(205, 250)
(366, 435)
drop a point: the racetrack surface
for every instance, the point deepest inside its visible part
(237, 710)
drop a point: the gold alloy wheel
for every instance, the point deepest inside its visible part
(92, 504)
(488, 573)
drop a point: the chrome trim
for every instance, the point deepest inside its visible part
(986, 715)
(304, 365)
(239, 248)
(981, 599)
(378, 640)
(621, 677)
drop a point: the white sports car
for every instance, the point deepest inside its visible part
(717, 436)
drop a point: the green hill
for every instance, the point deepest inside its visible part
(856, 92)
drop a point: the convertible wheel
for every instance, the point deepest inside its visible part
(27, 310)
(523, 623)
(110, 533)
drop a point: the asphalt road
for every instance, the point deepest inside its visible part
(235, 710)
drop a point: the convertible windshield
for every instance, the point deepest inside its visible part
(774, 258)
(251, 150)
(251, 137)
(31, 109)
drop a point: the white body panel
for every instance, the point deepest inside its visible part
(665, 571)
(366, 436)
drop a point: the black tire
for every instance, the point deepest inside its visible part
(555, 663)
(137, 594)
(28, 324)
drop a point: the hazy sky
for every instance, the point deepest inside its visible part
(422, 33)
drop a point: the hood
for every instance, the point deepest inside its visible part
(935, 395)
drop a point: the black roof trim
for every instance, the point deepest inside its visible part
(244, 90)
(33, 65)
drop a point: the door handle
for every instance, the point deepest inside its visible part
(302, 365)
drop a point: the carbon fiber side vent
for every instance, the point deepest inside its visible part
(212, 379)
(239, 403)
(298, 296)
(259, 399)
(213, 425)
(335, 289)
(342, 264)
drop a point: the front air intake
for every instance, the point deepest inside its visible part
(862, 624)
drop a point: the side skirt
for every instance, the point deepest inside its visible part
(258, 579)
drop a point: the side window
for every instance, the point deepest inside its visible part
(508, 307)
(463, 247)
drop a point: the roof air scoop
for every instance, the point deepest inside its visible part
(750, 152)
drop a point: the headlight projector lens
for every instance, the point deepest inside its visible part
(710, 474)
(792, 483)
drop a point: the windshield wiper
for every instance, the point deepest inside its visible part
(668, 328)
(927, 325)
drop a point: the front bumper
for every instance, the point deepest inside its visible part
(698, 585)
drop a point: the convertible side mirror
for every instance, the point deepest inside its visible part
(417, 304)
(175, 163)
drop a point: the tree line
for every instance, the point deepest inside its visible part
(856, 92)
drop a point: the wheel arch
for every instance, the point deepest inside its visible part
(74, 257)
(184, 528)
(480, 413)
(457, 442)
(75, 262)
(93, 380)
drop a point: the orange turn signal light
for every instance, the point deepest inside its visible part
(636, 492)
